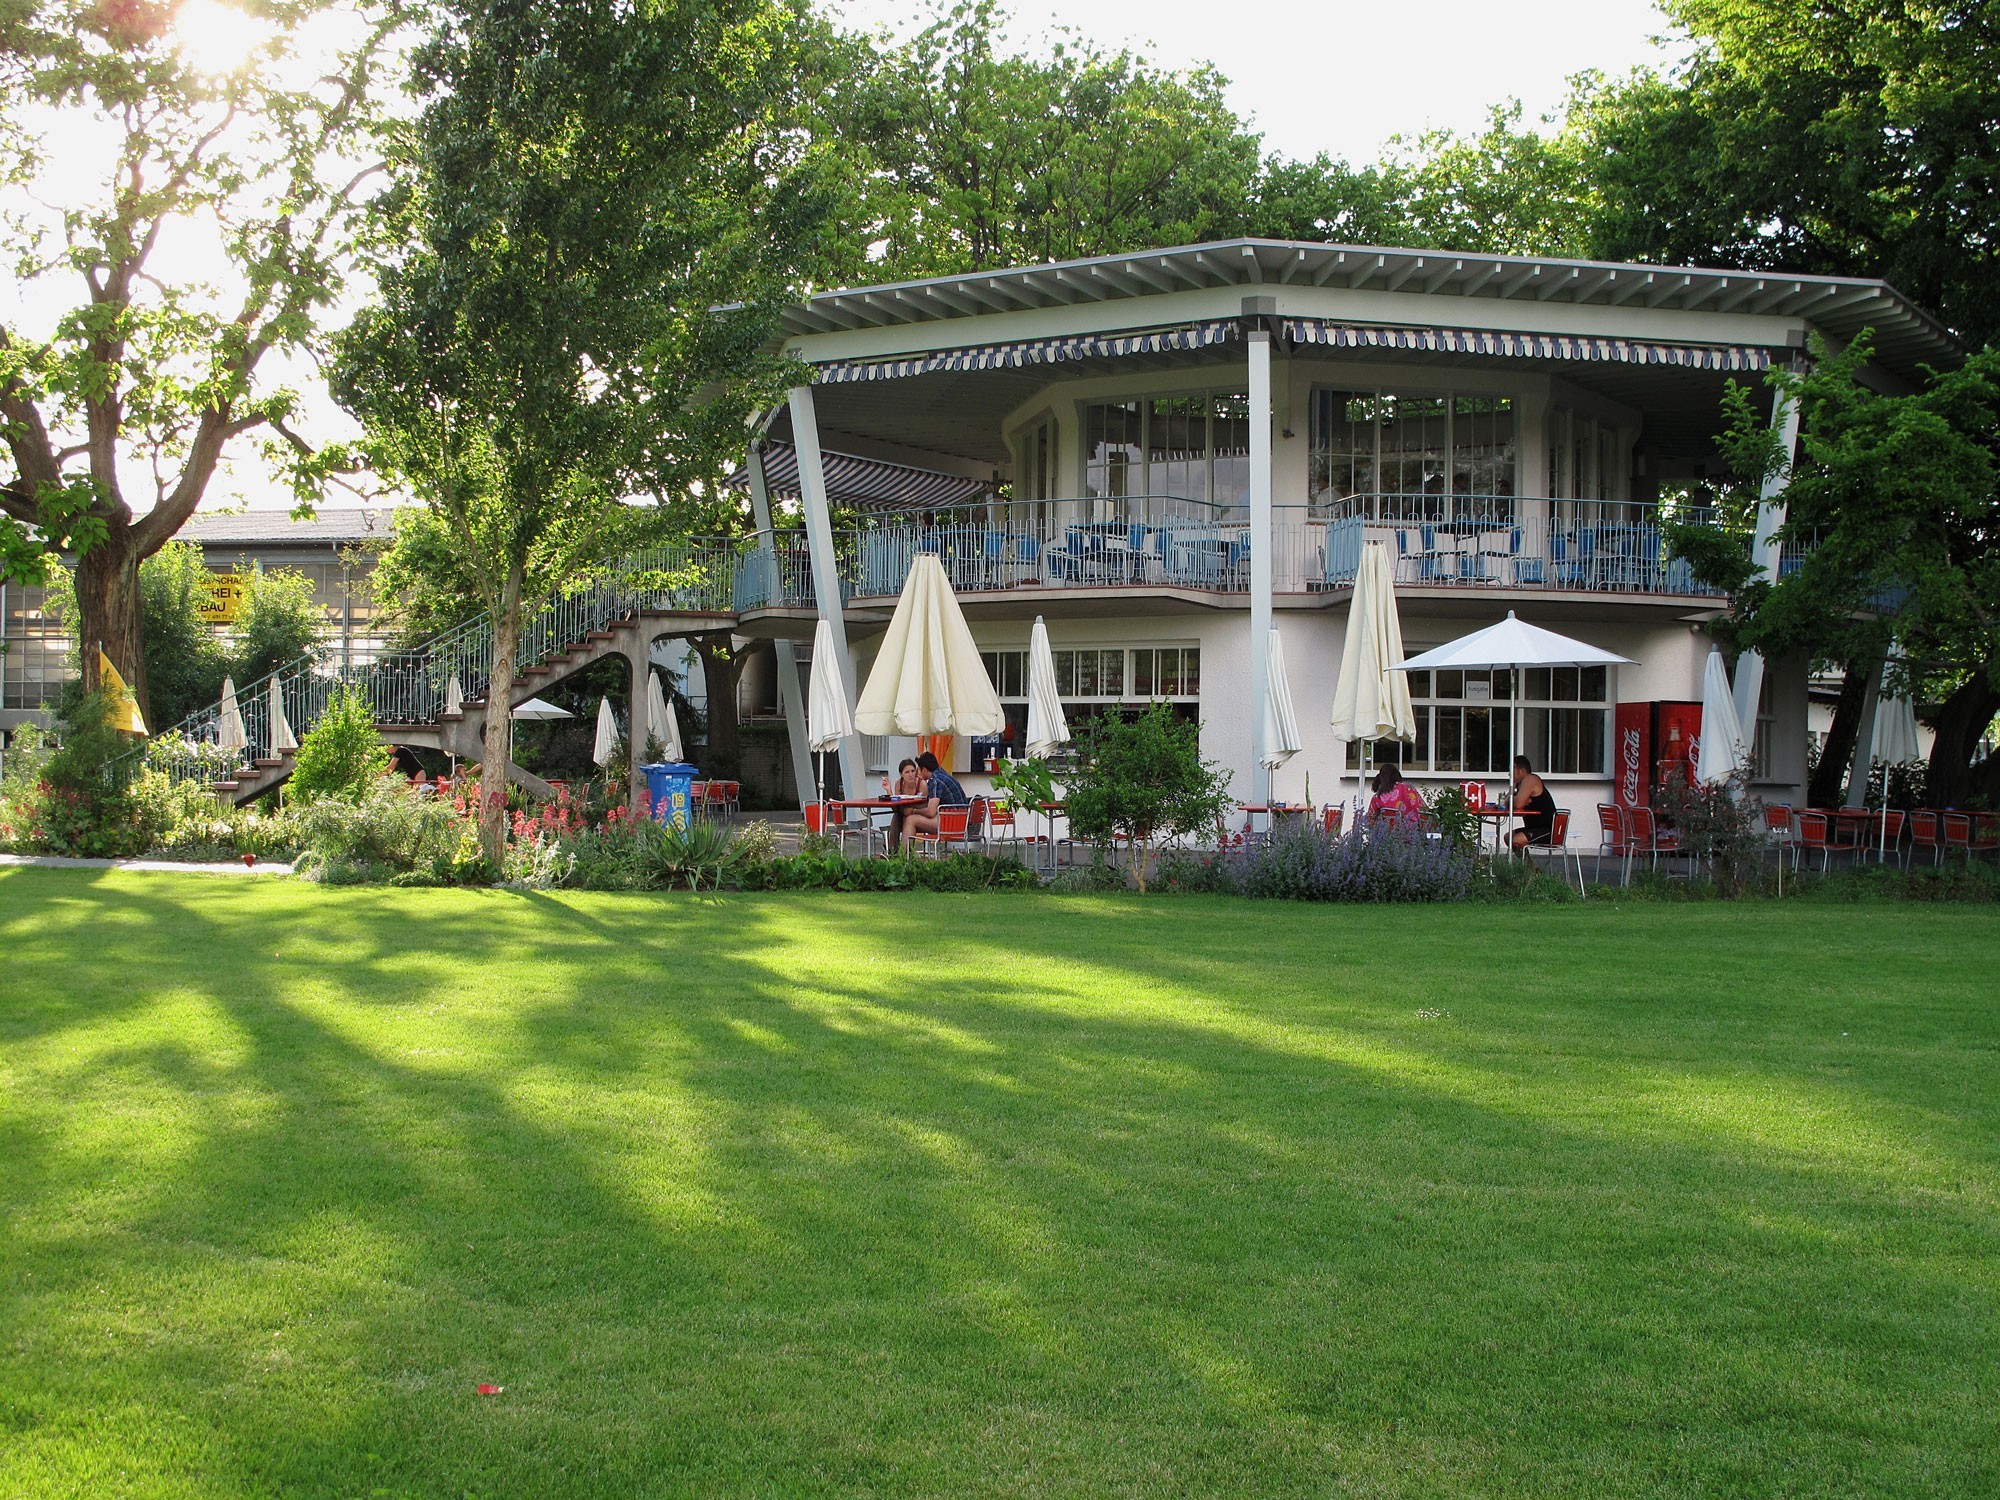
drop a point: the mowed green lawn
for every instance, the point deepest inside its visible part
(910, 1195)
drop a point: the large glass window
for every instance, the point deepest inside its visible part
(1092, 680)
(1466, 723)
(1413, 458)
(1190, 447)
(34, 649)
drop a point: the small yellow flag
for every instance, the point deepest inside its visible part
(124, 707)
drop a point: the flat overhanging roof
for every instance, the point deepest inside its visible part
(1905, 335)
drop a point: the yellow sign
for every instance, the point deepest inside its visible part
(223, 597)
(124, 706)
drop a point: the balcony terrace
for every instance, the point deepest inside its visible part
(1159, 544)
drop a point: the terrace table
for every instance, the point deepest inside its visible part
(838, 806)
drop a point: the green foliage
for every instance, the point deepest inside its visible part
(74, 799)
(388, 829)
(1143, 778)
(1845, 139)
(340, 757)
(182, 819)
(280, 623)
(1025, 783)
(827, 870)
(968, 158)
(1449, 815)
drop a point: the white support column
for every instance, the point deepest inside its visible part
(1765, 552)
(790, 699)
(1261, 543)
(826, 576)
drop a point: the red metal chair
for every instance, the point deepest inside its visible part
(1985, 833)
(957, 827)
(1558, 845)
(1646, 838)
(1333, 817)
(1889, 836)
(723, 797)
(1614, 837)
(1927, 832)
(1781, 828)
(1001, 828)
(1816, 833)
(1958, 833)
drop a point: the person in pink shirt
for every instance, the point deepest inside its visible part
(1394, 797)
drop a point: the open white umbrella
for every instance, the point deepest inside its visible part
(604, 749)
(280, 728)
(827, 720)
(1047, 727)
(454, 696)
(1513, 644)
(229, 733)
(1281, 725)
(1721, 754)
(537, 709)
(1371, 702)
(927, 677)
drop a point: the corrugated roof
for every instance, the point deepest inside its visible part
(1904, 333)
(276, 528)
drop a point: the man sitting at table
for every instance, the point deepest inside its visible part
(941, 791)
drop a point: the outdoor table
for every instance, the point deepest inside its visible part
(1271, 812)
(1049, 810)
(838, 806)
(1499, 815)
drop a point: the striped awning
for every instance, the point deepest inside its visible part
(1028, 352)
(868, 483)
(1732, 358)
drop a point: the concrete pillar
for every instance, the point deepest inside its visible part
(639, 658)
(1262, 542)
(826, 575)
(790, 698)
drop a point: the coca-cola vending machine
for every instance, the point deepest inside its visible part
(1650, 742)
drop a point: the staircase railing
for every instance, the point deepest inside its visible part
(414, 686)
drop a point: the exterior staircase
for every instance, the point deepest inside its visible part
(689, 588)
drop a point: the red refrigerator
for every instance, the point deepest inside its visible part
(1651, 741)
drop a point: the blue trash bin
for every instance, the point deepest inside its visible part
(671, 785)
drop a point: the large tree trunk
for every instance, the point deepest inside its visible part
(498, 751)
(1829, 777)
(110, 615)
(1961, 722)
(721, 667)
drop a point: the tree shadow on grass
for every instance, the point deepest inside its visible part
(728, 1213)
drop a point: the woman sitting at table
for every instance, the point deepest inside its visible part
(941, 790)
(1534, 805)
(1394, 799)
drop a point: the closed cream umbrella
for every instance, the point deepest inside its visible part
(604, 749)
(666, 724)
(1047, 726)
(1371, 701)
(454, 696)
(928, 677)
(827, 720)
(280, 728)
(1281, 724)
(1893, 743)
(229, 734)
(1722, 753)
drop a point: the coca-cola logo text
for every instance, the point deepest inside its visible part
(1629, 788)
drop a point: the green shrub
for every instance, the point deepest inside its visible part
(340, 756)
(184, 820)
(390, 829)
(1142, 778)
(78, 802)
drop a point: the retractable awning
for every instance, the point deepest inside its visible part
(1723, 357)
(867, 483)
(1027, 352)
